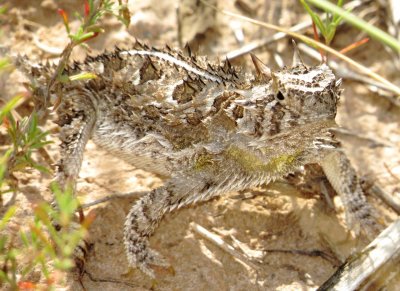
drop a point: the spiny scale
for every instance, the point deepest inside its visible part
(208, 128)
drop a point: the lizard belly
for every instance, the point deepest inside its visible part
(144, 153)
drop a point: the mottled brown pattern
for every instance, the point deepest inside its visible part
(184, 92)
(209, 128)
(148, 71)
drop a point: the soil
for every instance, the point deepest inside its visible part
(290, 223)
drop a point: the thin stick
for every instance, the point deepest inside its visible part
(259, 254)
(316, 37)
(114, 196)
(250, 253)
(94, 279)
(313, 253)
(354, 45)
(217, 240)
(383, 195)
(391, 173)
(263, 42)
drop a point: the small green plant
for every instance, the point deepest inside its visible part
(89, 27)
(8, 261)
(43, 247)
(5, 64)
(94, 11)
(352, 19)
(3, 9)
(328, 26)
(39, 246)
(26, 137)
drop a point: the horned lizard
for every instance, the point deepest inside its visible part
(209, 128)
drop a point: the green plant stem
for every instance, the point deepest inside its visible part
(373, 31)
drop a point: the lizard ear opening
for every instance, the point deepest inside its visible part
(261, 69)
(297, 60)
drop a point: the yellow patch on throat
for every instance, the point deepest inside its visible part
(203, 161)
(250, 162)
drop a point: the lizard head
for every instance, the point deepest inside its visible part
(313, 92)
(310, 92)
(297, 95)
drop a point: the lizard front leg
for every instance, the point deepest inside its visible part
(76, 118)
(343, 178)
(146, 214)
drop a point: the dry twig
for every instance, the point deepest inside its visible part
(357, 269)
(377, 191)
(137, 194)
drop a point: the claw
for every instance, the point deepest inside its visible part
(147, 270)
(148, 257)
(80, 255)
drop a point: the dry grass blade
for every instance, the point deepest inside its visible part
(260, 43)
(277, 36)
(345, 72)
(54, 51)
(395, 89)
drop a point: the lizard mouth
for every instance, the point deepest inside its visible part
(326, 141)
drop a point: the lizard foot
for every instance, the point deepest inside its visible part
(141, 256)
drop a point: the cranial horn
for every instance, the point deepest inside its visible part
(261, 68)
(297, 60)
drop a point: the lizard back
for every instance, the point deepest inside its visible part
(175, 108)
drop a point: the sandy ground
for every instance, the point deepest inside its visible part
(278, 217)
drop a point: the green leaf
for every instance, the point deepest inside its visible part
(315, 18)
(64, 264)
(3, 9)
(3, 164)
(5, 64)
(83, 76)
(373, 31)
(9, 106)
(3, 277)
(24, 238)
(85, 36)
(7, 216)
(63, 78)
(3, 241)
(41, 168)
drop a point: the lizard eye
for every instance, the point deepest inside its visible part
(280, 96)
